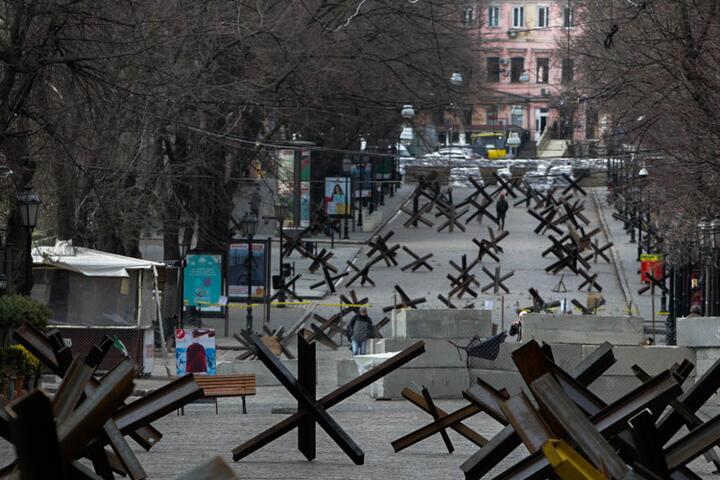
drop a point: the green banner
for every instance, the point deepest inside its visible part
(202, 281)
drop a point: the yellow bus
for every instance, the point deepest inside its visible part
(490, 145)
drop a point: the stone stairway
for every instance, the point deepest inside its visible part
(553, 149)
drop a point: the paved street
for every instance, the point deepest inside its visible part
(200, 434)
(522, 255)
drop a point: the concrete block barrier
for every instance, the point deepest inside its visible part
(263, 377)
(441, 323)
(583, 329)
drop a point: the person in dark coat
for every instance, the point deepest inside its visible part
(501, 208)
(359, 331)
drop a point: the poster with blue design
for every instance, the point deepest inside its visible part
(195, 351)
(202, 281)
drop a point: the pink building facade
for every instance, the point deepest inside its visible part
(523, 66)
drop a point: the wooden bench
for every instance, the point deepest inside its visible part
(216, 386)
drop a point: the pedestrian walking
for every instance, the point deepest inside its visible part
(516, 327)
(359, 331)
(501, 208)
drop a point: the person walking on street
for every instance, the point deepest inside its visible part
(359, 331)
(501, 208)
(516, 327)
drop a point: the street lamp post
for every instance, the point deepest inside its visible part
(281, 214)
(456, 79)
(347, 170)
(182, 251)
(248, 226)
(28, 204)
(3, 275)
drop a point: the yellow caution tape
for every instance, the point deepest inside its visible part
(290, 304)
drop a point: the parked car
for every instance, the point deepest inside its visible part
(463, 154)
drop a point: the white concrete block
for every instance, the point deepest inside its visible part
(263, 377)
(441, 382)
(584, 329)
(652, 359)
(439, 353)
(512, 381)
(442, 323)
(698, 331)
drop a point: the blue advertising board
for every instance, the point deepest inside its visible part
(202, 281)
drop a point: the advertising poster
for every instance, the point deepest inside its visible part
(337, 198)
(305, 188)
(202, 281)
(286, 182)
(238, 261)
(195, 351)
(361, 179)
(651, 263)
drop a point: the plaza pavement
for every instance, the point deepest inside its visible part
(199, 435)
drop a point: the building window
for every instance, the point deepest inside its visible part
(517, 67)
(516, 115)
(492, 115)
(493, 69)
(518, 18)
(568, 17)
(468, 16)
(568, 73)
(493, 17)
(543, 67)
(543, 19)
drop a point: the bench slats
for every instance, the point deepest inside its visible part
(227, 385)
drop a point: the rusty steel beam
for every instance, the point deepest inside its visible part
(310, 406)
(75, 432)
(460, 428)
(693, 444)
(436, 416)
(694, 398)
(529, 426)
(71, 389)
(488, 399)
(32, 428)
(605, 421)
(489, 456)
(499, 447)
(594, 365)
(647, 444)
(555, 404)
(157, 404)
(331, 399)
(424, 432)
(321, 337)
(39, 345)
(307, 382)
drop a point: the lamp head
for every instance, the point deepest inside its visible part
(28, 204)
(281, 211)
(456, 79)
(407, 111)
(249, 224)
